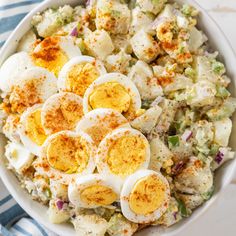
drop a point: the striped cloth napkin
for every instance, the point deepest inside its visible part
(13, 220)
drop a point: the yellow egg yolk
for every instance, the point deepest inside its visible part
(147, 195)
(34, 128)
(110, 95)
(50, 56)
(126, 155)
(65, 117)
(98, 195)
(68, 154)
(80, 77)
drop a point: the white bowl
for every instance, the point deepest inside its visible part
(223, 176)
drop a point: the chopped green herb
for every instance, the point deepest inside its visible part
(54, 9)
(131, 63)
(181, 49)
(190, 72)
(202, 157)
(146, 104)
(134, 4)
(218, 67)
(222, 92)
(48, 192)
(173, 141)
(214, 149)
(79, 26)
(180, 96)
(203, 149)
(124, 1)
(105, 9)
(116, 13)
(182, 208)
(177, 126)
(155, 2)
(188, 10)
(82, 47)
(206, 196)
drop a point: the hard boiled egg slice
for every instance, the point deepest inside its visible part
(112, 90)
(62, 111)
(54, 52)
(145, 196)
(78, 73)
(19, 157)
(122, 152)
(34, 86)
(65, 155)
(93, 191)
(14, 66)
(99, 122)
(31, 130)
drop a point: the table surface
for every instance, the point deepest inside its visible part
(220, 219)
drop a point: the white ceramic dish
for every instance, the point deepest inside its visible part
(223, 176)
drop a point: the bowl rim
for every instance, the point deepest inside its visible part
(9, 47)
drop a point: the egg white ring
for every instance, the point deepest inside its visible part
(27, 142)
(12, 68)
(53, 103)
(61, 83)
(47, 85)
(67, 44)
(125, 193)
(83, 182)
(58, 175)
(95, 116)
(24, 159)
(104, 146)
(113, 77)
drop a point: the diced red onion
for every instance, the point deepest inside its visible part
(187, 135)
(59, 204)
(175, 215)
(177, 167)
(87, 3)
(74, 32)
(219, 157)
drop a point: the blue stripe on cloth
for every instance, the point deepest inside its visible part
(15, 212)
(21, 230)
(11, 214)
(5, 232)
(14, 220)
(6, 199)
(42, 231)
(19, 4)
(9, 23)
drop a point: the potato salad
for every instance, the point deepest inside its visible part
(116, 114)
